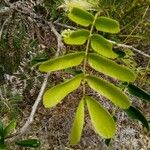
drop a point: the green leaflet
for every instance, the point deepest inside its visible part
(109, 90)
(110, 68)
(78, 123)
(102, 46)
(10, 128)
(33, 143)
(134, 113)
(78, 37)
(80, 16)
(101, 119)
(62, 62)
(54, 95)
(136, 91)
(107, 25)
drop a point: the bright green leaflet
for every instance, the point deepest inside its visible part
(134, 113)
(54, 95)
(78, 37)
(78, 123)
(102, 46)
(80, 16)
(109, 90)
(101, 119)
(107, 25)
(10, 127)
(110, 68)
(62, 62)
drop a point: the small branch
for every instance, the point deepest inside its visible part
(130, 47)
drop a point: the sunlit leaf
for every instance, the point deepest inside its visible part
(78, 123)
(107, 25)
(80, 16)
(102, 46)
(109, 91)
(54, 95)
(134, 113)
(101, 119)
(62, 62)
(33, 143)
(10, 127)
(78, 37)
(136, 91)
(110, 68)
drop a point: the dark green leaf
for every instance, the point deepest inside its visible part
(120, 53)
(107, 25)
(78, 37)
(80, 16)
(78, 123)
(107, 142)
(110, 68)
(109, 90)
(101, 119)
(32, 143)
(136, 91)
(62, 62)
(54, 95)
(134, 113)
(102, 46)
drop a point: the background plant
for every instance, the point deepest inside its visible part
(101, 119)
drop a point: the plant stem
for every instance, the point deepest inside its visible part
(87, 49)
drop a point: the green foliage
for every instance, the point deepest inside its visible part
(136, 91)
(78, 123)
(110, 68)
(31, 143)
(4, 132)
(77, 37)
(107, 25)
(102, 46)
(102, 121)
(80, 16)
(134, 113)
(11, 126)
(54, 95)
(109, 90)
(62, 62)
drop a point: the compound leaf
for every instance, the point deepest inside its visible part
(54, 95)
(106, 24)
(78, 123)
(101, 119)
(11, 126)
(110, 68)
(62, 62)
(33, 143)
(134, 113)
(78, 37)
(102, 46)
(80, 16)
(136, 91)
(109, 90)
